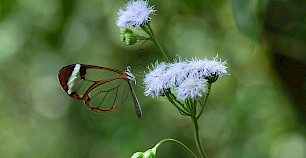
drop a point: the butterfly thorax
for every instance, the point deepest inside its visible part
(129, 74)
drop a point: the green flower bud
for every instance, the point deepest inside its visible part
(150, 153)
(137, 155)
(128, 37)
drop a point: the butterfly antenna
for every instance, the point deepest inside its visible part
(137, 50)
(140, 65)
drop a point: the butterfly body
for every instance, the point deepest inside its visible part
(102, 94)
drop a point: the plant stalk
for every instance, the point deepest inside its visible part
(205, 101)
(197, 137)
(157, 44)
(179, 144)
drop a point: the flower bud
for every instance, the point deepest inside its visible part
(128, 37)
(149, 153)
(137, 155)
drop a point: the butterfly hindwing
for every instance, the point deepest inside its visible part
(107, 95)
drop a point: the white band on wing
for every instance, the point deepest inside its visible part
(74, 75)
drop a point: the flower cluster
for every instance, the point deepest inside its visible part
(187, 77)
(135, 13)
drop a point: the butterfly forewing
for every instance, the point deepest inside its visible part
(95, 73)
(102, 89)
(78, 78)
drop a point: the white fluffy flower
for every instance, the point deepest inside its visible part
(178, 72)
(135, 13)
(207, 68)
(156, 81)
(188, 78)
(215, 67)
(192, 88)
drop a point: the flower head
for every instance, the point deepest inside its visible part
(208, 69)
(157, 81)
(135, 13)
(178, 72)
(215, 68)
(187, 78)
(192, 88)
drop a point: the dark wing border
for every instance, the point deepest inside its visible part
(87, 99)
(66, 72)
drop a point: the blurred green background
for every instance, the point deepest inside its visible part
(256, 112)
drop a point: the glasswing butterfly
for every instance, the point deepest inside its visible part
(97, 86)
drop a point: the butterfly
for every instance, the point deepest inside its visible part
(102, 89)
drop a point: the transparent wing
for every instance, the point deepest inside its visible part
(102, 89)
(76, 79)
(107, 95)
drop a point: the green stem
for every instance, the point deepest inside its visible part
(182, 111)
(197, 137)
(205, 101)
(145, 29)
(189, 106)
(178, 143)
(157, 44)
(175, 99)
